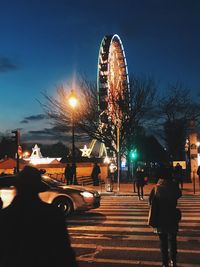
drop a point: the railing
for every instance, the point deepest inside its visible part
(57, 176)
(85, 180)
(82, 180)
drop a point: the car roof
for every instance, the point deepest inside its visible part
(10, 180)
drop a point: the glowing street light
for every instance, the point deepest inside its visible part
(26, 154)
(73, 102)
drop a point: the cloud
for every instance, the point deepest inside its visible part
(38, 117)
(45, 131)
(46, 135)
(24, 121)
(7, 65)
(54, 134)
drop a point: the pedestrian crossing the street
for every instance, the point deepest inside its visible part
(116, 234)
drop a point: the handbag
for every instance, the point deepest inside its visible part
(153, 212)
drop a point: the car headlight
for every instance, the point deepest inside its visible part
(96, 194)
(86, 194)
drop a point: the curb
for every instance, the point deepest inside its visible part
(115, 193)
(126, 189)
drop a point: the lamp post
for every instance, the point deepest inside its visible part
(73, 101)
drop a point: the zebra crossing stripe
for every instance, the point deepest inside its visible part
(108, 236)
(100, 247)
(125, 222)
(130, 262)
(125, 218)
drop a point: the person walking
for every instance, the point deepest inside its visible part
(95, 174)
(178, 175)
(68, 174)
(140, 182)
(33, 233)
(1, 203)
(198, 173)
(165, 195)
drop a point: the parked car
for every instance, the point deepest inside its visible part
(68, 198)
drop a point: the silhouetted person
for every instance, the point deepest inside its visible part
(33, 233)
(74, 174)
(166, 194)
(178, 174)
(14, 170)
(68, 174)
(1, 203)
(156, 174)
(140, 182)
(198, 173)
(95, 174)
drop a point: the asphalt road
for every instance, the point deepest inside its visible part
(116, 234)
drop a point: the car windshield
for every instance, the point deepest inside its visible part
(51, 182)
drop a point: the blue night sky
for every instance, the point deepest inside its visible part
(44, 42)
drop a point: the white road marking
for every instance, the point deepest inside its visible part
(126, 220)
(130, 262)
(145, 249)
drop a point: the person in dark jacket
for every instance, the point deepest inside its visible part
(166, 193)
(178, 175)
(33, 233)
(1, 203)
(198, 173)
(140, 182)
(68, 174)
(95, 174)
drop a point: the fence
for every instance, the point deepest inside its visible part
(82, 180)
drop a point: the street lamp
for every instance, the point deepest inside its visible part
(73, 102)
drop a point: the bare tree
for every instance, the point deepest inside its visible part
(142, 98)
(176, 109)
(87, 116)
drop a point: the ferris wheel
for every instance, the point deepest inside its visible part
(112, 85)
(112, 78)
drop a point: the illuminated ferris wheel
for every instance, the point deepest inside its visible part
(112, 78)
(112, 85)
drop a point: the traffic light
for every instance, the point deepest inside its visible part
(133, 154)
(16, 137)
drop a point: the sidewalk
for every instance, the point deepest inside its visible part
(126, 189)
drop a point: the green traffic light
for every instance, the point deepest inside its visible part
(133, 154)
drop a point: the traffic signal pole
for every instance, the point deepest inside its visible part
(16, 139)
